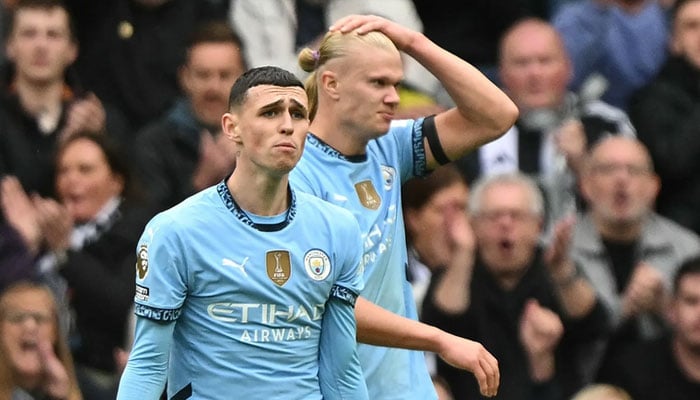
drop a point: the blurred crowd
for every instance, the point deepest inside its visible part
(569, 246)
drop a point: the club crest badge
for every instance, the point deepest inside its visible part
(368, 195)
(142, 262)
(279, 266)
(389, 175)
(317, 264)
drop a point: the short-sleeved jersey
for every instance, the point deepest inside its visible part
(247, 299)
(370, 187)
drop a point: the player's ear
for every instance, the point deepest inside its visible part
(329, 84)
(230, 126)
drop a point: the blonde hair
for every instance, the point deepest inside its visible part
(600, 391)
(7, 384)
(335, 45)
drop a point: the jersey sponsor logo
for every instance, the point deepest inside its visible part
(368, 195)
(142, 262)
(317, 264)
(264, 313)
(388, 174)
(279, 266)
(227, 262)
(142, 293)
(277, 334)
(157, 314)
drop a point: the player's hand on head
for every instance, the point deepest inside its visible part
(400, 35)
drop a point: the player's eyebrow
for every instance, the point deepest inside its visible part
(299, 105)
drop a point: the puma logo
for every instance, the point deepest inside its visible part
(230, 263)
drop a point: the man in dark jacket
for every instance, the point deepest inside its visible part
(666, 114)
(182, 153)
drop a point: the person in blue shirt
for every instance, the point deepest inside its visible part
(247, 289)
(357, 157)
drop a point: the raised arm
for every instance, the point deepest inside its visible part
(482, 113)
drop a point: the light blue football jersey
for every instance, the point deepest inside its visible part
(247, 299)
(370, 187)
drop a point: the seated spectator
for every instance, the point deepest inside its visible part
(555, 126)
(183, 152)
(667, 368)
(437, 229)
(41, 106)
(526, 303)
(131, 50)
(88, 242)
(622, 43)
(666, 114)
(35, 362)
(628, 252)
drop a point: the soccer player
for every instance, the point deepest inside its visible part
(355, 157)
(240, 286)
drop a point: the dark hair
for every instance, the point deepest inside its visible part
(46, 5)
(113, 154)
(215, 32)
(688, 267)
(418, 191)
(267, 75)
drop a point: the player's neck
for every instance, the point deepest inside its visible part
(338, 136)
(259, 194)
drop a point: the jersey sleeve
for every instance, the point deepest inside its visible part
(340, 373)
(408, 137)
(146, 371)
(161, 274)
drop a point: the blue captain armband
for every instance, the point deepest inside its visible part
(157, 314)
(344, 294)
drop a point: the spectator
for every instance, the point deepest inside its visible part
(183, 151)
(41, 106)
(471, 29)
(621, 43)
(437, 230)
(628, 252)
(667, 116)
(35, 362)
(88, 242)
(527, 303)
(667, 368)
(555, 126)
(131, 50)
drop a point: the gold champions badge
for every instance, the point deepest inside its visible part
(368, 195)
(279, 266)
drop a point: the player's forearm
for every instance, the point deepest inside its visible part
(478, 100)
(380, 327)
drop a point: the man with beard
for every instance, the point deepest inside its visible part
(627, 251)
(667, 368)
(183, 152)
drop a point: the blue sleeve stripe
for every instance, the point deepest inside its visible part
(344, 294)
(157, 314)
